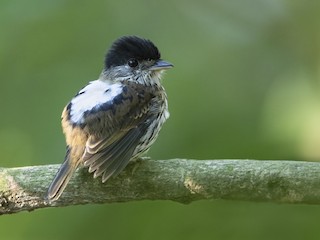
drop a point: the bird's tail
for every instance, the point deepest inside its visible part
(62, 178)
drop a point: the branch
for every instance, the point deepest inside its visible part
(178, 180)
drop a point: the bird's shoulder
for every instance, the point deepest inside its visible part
(106, 101)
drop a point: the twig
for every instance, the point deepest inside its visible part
(178, 180)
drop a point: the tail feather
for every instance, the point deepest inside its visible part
(61, 179)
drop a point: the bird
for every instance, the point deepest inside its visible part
(116, 118)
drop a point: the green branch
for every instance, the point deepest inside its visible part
(177, 180)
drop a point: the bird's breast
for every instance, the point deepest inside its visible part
(159, 113)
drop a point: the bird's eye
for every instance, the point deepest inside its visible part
(133, 62)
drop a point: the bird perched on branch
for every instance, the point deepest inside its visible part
(116, 118)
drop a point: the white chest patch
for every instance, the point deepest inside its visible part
(93, 95)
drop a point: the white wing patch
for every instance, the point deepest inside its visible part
(93, 95)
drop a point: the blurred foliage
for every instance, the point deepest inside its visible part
(245, 85)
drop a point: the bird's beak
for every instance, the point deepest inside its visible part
(161, 65)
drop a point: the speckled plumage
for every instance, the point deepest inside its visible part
(116, 118)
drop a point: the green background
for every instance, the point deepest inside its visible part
(245, 85)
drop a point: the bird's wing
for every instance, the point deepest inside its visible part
(112, 158)
(115, 129)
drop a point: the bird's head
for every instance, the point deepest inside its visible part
(134, 59)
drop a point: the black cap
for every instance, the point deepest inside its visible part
(130, 47)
